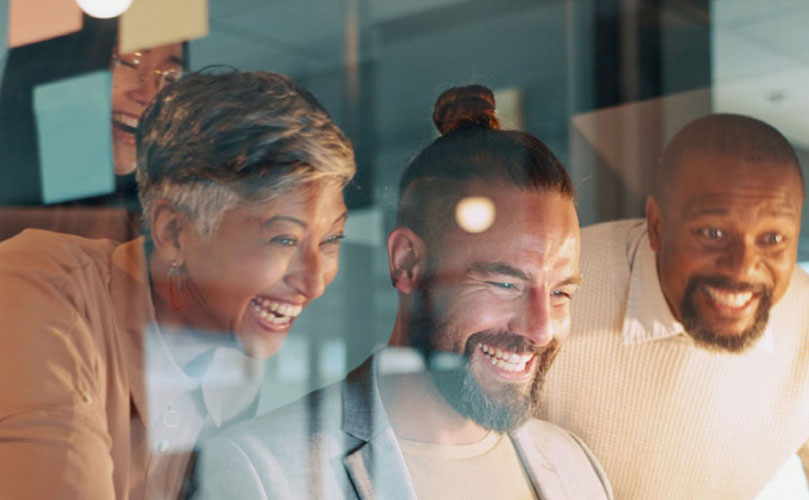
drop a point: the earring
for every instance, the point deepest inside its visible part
(176, 297)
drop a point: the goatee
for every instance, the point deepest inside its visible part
(709, 338)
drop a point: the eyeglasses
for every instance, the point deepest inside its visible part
(160, 77)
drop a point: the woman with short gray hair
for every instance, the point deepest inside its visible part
(109, 349)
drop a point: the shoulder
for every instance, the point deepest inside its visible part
(275, 452)
(288, 431)
(614, 240)
(800, 281)
(51, 252)
(551, 436)
(608, 251)
(797, 296)
(567, 454)
(618, 230)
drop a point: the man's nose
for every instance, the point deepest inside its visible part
(533, 318)
(740, 260)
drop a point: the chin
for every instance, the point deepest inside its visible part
(263, 349)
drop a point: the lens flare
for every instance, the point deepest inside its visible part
(475, 214)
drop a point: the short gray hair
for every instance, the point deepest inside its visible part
(213, 140)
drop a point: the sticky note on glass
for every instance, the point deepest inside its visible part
(75, 137)
(152, 23)
(31, 21)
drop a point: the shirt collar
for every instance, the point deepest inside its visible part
(228, 380)
(648, 317)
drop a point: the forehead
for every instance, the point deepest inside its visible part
(315, 203)
(708, 183)
(529, 228)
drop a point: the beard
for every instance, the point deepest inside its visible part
(708, 337)
(500, 407)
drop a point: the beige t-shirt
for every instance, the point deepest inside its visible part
(487, 469)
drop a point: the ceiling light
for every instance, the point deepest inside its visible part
(104, 9)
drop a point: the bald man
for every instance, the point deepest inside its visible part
(687, 369)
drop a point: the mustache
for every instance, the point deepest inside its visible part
(727, 284)
(509, 341)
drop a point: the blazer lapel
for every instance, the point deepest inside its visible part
(543, 475)
(378, 471)
(377, 467)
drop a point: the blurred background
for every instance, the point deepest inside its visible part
(605, 83)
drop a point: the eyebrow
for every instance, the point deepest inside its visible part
(175, 60)
(775, 212)
(497, 268)
(572, 280)
(293, 220)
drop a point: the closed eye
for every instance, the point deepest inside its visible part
(284, 241)
(333, 240)
(505, 286)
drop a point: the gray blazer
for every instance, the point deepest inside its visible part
(337, 443)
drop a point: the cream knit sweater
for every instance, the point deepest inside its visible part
(665, 418)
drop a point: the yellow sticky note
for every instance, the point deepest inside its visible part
(31, 21)
(152, 23)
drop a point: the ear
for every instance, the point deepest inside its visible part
(166, 224)
(407, 259)
(654, 223)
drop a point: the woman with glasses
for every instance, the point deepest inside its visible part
(116, 359)
(136, 79)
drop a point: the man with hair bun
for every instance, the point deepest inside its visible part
(484, 257)
(691, 331)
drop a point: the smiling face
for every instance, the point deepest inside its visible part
(136, 79)
(263, 265)
(726, 238)
(501, 298)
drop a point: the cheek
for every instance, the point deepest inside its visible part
(238, 276)
(261, 273)
(561, 320)
(120, 85)
(479, 312)
(679, 263)
(781, 270)
(330, 268)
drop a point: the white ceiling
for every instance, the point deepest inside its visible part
(761, 62)
(293, 36)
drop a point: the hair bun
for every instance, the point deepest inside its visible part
(461, 107)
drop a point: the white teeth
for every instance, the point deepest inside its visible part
(276, 320)
(129, 121)
(729, 299)
(512, 362)
(277, 313)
